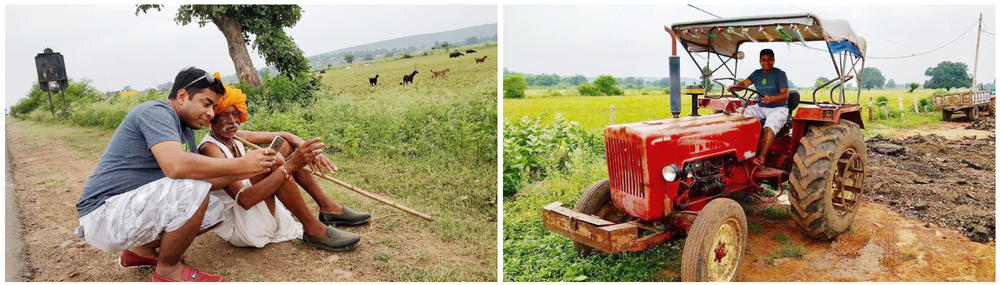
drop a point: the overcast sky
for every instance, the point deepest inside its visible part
(629, 40)
(113, 47)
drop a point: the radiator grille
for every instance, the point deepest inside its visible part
(624, 166)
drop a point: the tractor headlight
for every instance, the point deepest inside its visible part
(671, 172)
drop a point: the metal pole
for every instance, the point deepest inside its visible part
(52, 108)
(975, 65)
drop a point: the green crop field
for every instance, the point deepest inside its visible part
(594, 112)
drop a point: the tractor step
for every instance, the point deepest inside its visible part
(598, 233)
(768, 172)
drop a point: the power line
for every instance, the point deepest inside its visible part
(706, 12)
(929, 51)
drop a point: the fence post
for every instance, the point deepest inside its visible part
(900, 99)
(612, 120)
(916, 106)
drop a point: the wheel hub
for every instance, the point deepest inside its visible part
(848, 185)
(725, 251)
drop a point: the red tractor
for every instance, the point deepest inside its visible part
(671, 177)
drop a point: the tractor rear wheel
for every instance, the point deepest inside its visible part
(714, 247)
(993, 107)
(828, 179)
(597, 201)
(945, 115)
(972, 113)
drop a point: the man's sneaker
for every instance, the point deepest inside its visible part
(190, 275)
(336, 240)
(348, 218)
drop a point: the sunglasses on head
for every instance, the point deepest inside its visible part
(211, 80)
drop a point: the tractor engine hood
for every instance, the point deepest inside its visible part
(637, 152)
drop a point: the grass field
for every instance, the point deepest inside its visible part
(430, 145)
(532, 253)
(594, 112)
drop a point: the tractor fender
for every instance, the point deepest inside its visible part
(807, 116)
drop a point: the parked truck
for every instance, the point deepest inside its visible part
(970, 103)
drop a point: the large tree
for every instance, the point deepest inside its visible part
(238, 22)
(948, 75)
(871, 78)
(890, 84)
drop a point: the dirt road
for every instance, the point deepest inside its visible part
(50, 172)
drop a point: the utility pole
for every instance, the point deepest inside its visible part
(975, 66)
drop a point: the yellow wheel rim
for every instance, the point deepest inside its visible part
(726, 251)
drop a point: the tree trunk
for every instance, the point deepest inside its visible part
(231, 28)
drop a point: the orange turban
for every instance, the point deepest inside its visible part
(233, 97)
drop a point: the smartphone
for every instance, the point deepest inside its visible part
(276, 143)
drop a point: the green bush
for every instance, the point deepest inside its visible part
(77, 91)
(514, 86)
(926, 103)
(281, 93)
(608, 85)
(533, 151)
(587, 89)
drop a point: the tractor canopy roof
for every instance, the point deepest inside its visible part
(724, 36)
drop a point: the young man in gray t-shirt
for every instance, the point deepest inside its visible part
(772, 102)
(148, 196)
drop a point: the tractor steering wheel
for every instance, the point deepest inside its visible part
(746, 94)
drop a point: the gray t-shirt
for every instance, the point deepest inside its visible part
(128, 161)
(769, 84)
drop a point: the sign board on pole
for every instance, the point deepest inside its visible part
(51, 68)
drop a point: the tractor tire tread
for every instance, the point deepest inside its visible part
(812, 173)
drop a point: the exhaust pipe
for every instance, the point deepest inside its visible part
(675, 75)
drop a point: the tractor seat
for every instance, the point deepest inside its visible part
(793, 102)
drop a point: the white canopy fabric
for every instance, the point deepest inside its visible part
(726, 35)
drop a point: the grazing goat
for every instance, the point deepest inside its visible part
(478, 60)
(468, 51)
(455, 54)
(408, 78)
(322, 71)
(372, 81)
(441, 73)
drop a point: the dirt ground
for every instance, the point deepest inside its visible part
(881, 246)
(947, 182)
(49, 175)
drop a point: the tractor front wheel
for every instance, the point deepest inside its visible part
(597, 201)
(714, 247)
(828, 179)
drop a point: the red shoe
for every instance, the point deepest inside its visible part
(190, 275)
(130, 259)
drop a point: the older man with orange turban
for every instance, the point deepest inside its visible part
(259, 210)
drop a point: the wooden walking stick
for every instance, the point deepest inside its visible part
(320, 174)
